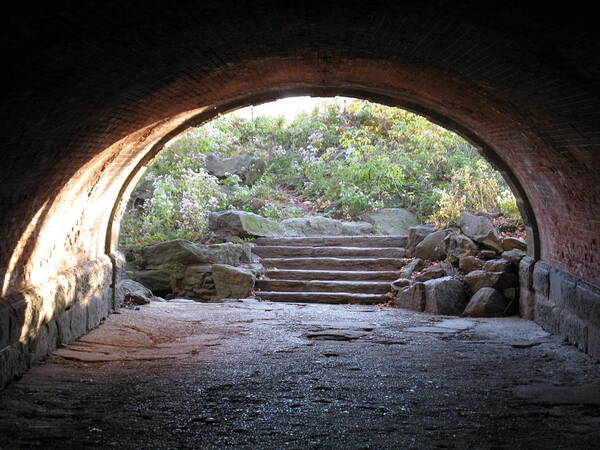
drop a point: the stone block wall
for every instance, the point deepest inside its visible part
(562, 304)
(37, 320)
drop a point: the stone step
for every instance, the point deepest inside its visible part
(336, 263)
(335, 241)
(364, 287)
(352, 275)
(323, 297)
(280, 251)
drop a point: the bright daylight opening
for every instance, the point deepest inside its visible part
(333, 200)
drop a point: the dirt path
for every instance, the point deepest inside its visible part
(272, 375)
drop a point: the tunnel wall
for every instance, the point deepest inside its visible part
(561, 303)
(91, 91)
(39, 319)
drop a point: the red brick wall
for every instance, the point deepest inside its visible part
(91, 90)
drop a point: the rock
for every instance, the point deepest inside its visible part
(142, 192)
(229, 253)
(433, 247)
(197, 283)
(445, 296)
(411, 297)
(413, 266)
(178, 251)
(232, 282)
(487, 302)
(417, 234)
(242, 224)
(393, 221)
(479, 279)
(446, 267)
(430, 274)
(515, 255)
(470, 263)
(248, 167)
(488, 254)
(400, 283)
(323, 226)
(157, 280)
(256, 268)
(510, 243)
(187, 253)
(459, 245)
(499, 265)
(480, 229)
(130, 291)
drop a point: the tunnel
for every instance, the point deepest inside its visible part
(96, 91)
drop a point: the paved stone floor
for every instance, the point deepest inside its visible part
(271, 375)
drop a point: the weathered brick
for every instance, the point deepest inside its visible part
(74, 132)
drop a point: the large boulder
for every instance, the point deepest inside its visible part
(197, 283)
(433, 247)
(480, 229)
(157, 280)
(487, 302)
(182, 252)
(417, 234)
(323, 226)
(459, 245)
(179, 251)
(248, 167)
(445, 296)
(229, 253)
(130, 291)
(393, 221)
(232, 282)
(411, 297)
(242, 224)
(479, 279)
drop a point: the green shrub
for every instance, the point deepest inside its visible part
(342, 159)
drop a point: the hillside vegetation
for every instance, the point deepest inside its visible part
(345, 158)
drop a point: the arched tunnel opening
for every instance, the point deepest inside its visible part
(359, 163)
(97, 93)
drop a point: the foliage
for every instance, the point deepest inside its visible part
(179, 208)
(344, 158)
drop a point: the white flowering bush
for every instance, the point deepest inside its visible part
(179, 208)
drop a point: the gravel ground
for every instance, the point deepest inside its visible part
(270, 375)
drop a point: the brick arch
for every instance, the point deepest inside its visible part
(93, 90)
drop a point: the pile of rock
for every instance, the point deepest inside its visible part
(184, 269)
(469, 270)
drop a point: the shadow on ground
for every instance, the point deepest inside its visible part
(273, 375)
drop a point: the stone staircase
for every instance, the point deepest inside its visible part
(329, 269)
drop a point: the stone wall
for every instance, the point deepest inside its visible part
(562, 304)
(37, 320)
